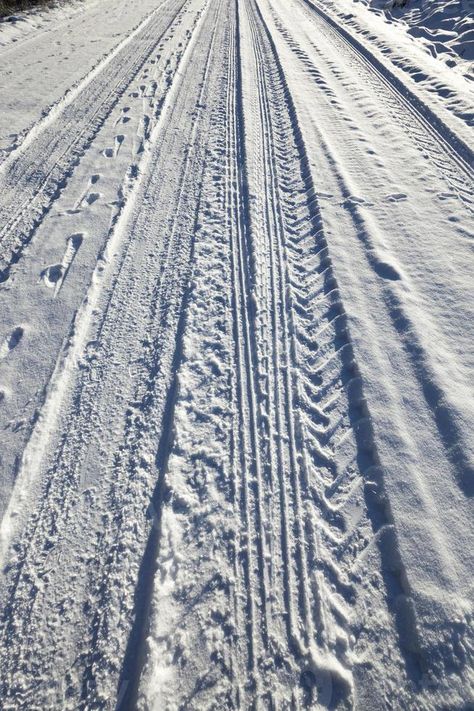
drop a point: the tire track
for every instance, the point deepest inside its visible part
(198, 638)
(451, 156)
(68, 505)
(321, 434)
(247, 464)
(37, 44)
(33, 176)
(302, 599)
(168, 307)
(285, 462)
(451, 167)
(260, 570)
(167, 65)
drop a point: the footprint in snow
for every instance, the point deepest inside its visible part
(151, 89)
(354, 200)
(92, 198)
(93, 180)
(118, 143)
(396, 197)
(447, 196)
(54, 275)
(386, 271)
(123, 118)
(11, 341)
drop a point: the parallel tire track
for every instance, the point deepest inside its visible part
(160, 362)
(124, 518)
(281, 408)
(302, 598)
(33, 176)
(247, 464)
(448, 152)
(447, 163)
(319, 445)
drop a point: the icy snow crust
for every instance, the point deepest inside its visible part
(236, 327)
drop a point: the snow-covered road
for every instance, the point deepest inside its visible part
(236, 363)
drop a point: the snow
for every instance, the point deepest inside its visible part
(445, 26)
(442, 80)
(236, 326)
(78, 36)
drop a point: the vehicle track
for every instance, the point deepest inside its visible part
(446, 166)
(448, 152)
(304, 525)
(200, 518)
(200, 641)
(34, 175)
(421, 652)
(81, 210)
(75, 476)
(246, 447)
(320, 449)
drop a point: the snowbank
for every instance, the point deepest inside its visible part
(445, 26)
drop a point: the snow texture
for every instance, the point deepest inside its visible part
(236, 328)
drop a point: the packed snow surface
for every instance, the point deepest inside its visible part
(236, 359)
